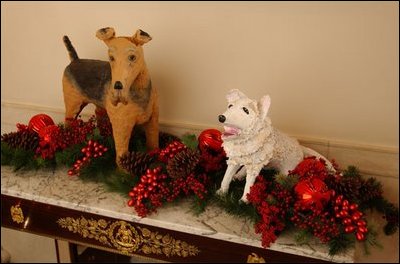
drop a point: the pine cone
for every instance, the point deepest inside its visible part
(166, 138)
(136, 163)
(349, 187)
(370, 189)
(25, 139)
(183, 163)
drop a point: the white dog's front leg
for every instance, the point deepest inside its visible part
(240, 174)
(252, 173)
(230, 171)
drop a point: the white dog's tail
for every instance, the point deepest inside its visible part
(310, 152)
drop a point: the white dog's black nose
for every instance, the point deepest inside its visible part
(118, 85)
(221, 118)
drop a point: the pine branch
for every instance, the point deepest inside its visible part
(69, 155)
(7, 154)
(371, 240)
(190, 141)
(286, 181)
(341, 243)
(351, 171)
(302, 236)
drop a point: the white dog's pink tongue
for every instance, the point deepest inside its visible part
(230, 131)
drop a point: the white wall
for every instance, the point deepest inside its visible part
(330, 68)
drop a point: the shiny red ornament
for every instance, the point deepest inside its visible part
(313, 191)
(40, 121)
(210, 139)
(48, 133)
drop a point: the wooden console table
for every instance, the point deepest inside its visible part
(53, 204)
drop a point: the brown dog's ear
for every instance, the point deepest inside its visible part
(141, 37)
(105, 34)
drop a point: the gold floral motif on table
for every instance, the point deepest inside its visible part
(254, 258)
(126, 238)
(16, 214)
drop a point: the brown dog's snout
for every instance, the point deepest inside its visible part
(221, 118)
(118, 85)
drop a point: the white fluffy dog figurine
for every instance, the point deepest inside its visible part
(251, 142)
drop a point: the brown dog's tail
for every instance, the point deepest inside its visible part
(71, 50)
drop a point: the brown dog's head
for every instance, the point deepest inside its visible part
(126, 60)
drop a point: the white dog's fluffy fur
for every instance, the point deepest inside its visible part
(250, 141)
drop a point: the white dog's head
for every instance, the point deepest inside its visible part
(243, 113)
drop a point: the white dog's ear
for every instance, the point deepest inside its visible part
(263, 105)
(234, 95)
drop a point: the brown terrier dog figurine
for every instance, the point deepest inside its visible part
(122, 86)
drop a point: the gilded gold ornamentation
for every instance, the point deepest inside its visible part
(124, 237)
(17, 214)
(254, 258)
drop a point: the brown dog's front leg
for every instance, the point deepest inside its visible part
(122, 130)
(151, 129)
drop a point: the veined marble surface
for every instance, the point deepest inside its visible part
(57, 188)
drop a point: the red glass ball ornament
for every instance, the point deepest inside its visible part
(312, 191)
(40, 121)
(210, 139)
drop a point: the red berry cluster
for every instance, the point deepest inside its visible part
(22, 127)
(351, 217)
(156, 187)
(77, 131)
(50, 141)
(54, 138)
(270, 225)
(271, 222)
(283, 198)
(311, 167)
(103, 122)
(321, 223)
(213, 161)
(170, 151)
(187, 184)
(92, 149)
(149, 193)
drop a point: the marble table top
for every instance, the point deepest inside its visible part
(57, 188)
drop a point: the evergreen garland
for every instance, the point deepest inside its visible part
(366, 192)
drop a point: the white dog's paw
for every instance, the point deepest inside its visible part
(220, 192)
(244, 199)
